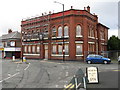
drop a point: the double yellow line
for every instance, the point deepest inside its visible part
(69, 86)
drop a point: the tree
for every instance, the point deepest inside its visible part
(114, 43)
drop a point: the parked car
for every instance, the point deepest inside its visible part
(93, 58)
(119, 59)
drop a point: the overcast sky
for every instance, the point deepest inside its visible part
(13, 11)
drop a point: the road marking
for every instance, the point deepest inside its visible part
(66, 73)
(72, 86)
(17, 67)
(9, 77)
(27, 67)
(116, 70)
(56, 86)
(9, 74)
(68, 85)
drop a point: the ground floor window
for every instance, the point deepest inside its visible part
(54, 49)
(58, 49)
(25, 49)
(38, 48)
(91, 47)
(29, 49)
(79, 50)
(102, 48)
(66, 49)
(33, 49)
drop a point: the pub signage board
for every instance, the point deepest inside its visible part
(92, 74)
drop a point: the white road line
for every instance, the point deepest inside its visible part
(10, 77)
(56, 86)
(66, 73)
(27, 67)
(17, 67)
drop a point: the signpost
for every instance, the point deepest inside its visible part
(92, 74)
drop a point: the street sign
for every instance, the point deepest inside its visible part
(92, 74)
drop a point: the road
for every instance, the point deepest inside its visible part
(53, 74)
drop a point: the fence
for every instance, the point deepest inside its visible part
(108, 54)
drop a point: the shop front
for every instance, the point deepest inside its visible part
(10, 52)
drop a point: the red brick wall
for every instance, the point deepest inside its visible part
(72, 18)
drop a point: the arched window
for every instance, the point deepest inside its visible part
(91, 32)
(53, 32)
(66, 31)
(78, 30)
(59, 31)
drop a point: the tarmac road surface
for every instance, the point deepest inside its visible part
(53, 74)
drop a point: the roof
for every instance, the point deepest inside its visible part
(103, 25)
(12, 35)
(59, 14)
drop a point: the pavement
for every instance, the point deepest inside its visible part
(53, 74)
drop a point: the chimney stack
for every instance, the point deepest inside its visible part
(88, 8)
(84, 8)
(49, 12)
(9, 31)
(71, 7)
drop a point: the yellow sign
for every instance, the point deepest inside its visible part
(1, 49)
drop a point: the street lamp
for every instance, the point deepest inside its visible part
(62, 29)
(41, 36)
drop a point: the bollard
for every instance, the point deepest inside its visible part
(24, 59)
(13, 58)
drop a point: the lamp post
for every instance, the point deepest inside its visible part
(62, 29)
(41, 36)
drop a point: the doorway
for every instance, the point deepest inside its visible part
(46, 51)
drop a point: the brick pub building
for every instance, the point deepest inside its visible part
(43, 37)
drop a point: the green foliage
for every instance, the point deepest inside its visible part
(114, 43)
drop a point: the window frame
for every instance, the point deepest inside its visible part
(66, 31)
(60, 31)
(78, 31)
(81, 49)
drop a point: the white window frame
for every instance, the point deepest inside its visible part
(66, 31)
(79, 31)
(79, 45)
(59, 31)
